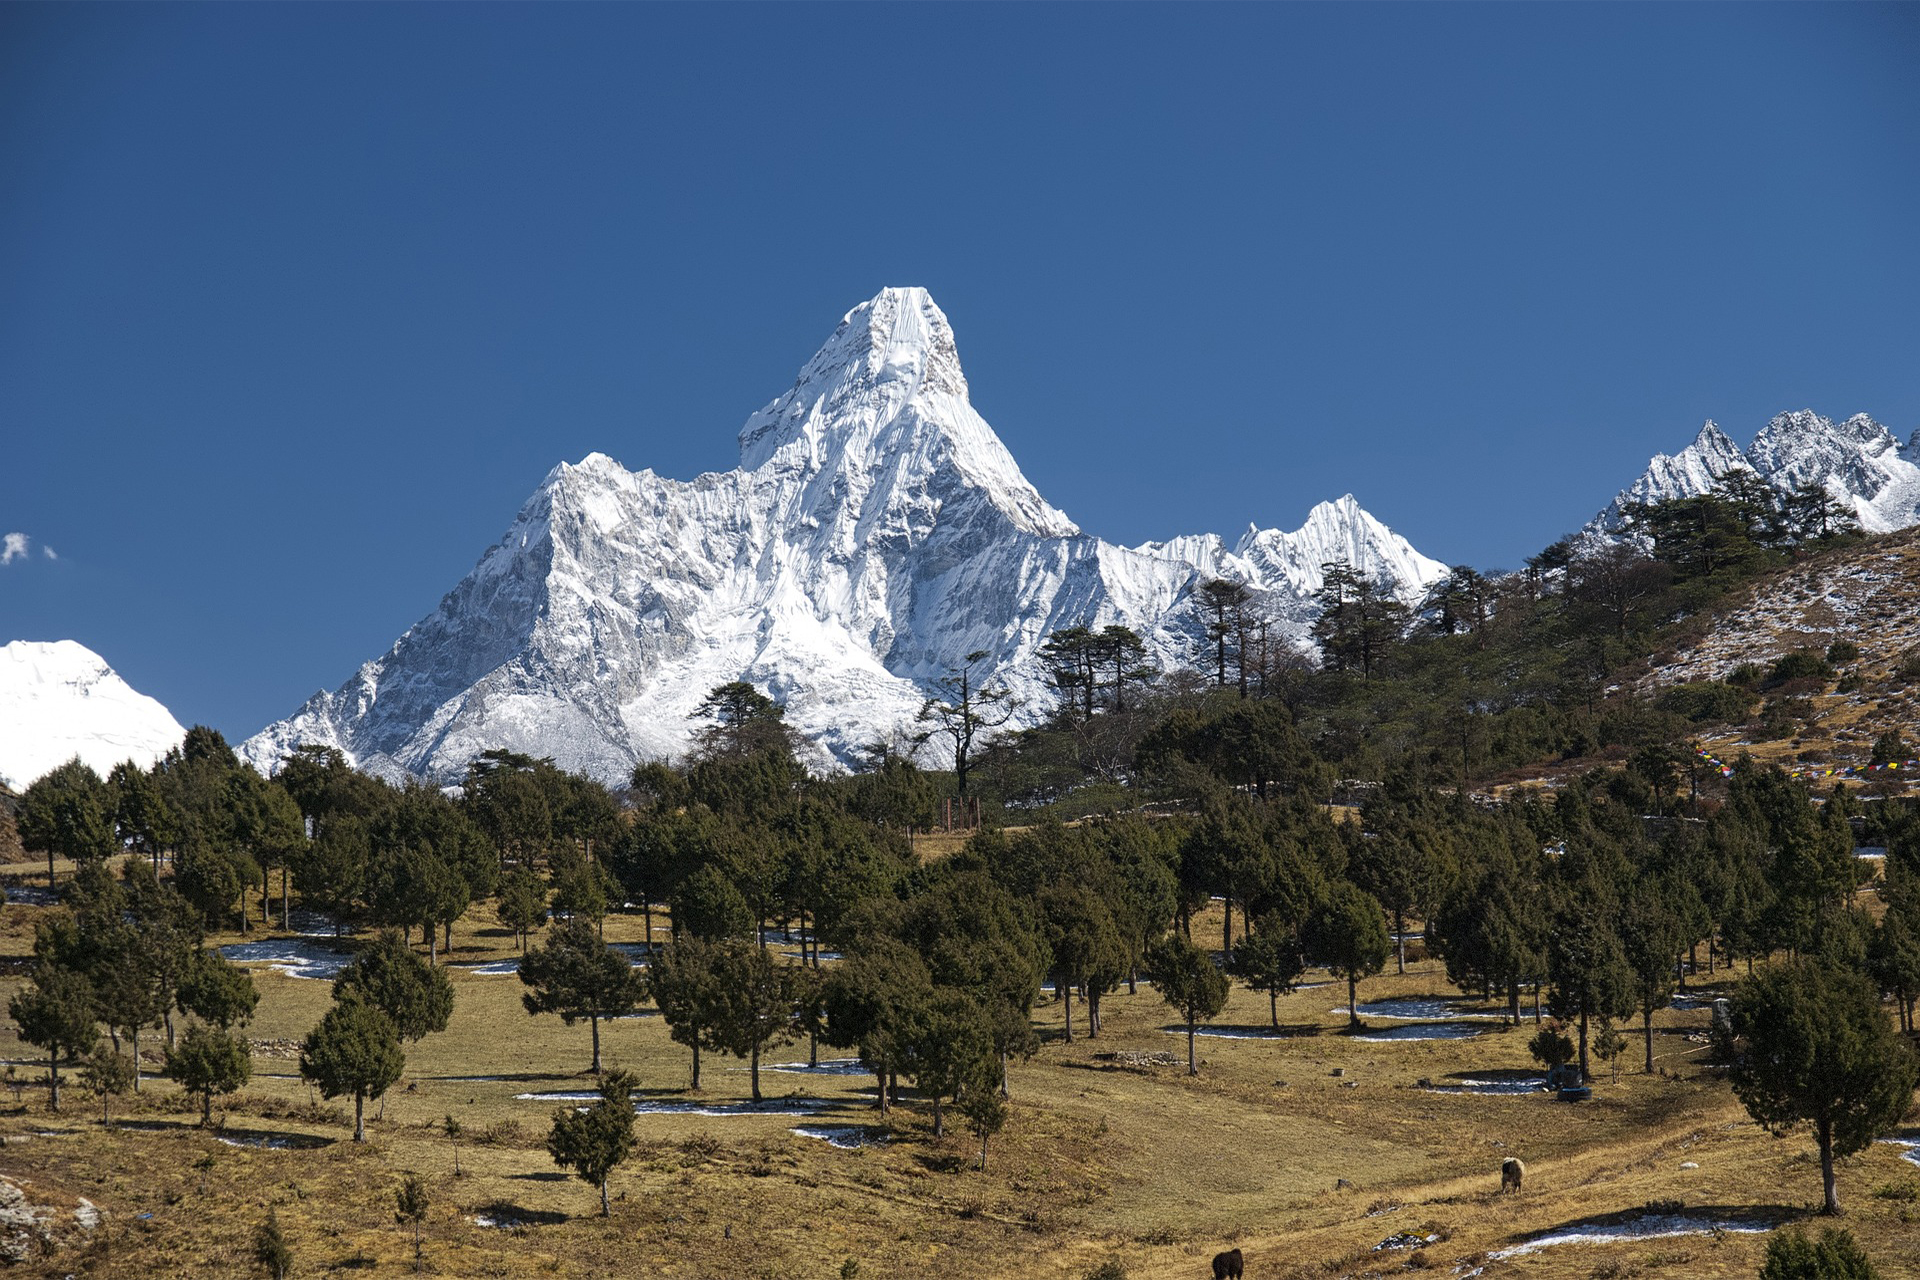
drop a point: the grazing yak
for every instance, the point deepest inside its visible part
(1511, 1172)
(1229, 1265)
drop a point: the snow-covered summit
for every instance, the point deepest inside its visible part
(884, 404)
(1857, 460)
(875, 533)
(60, 699)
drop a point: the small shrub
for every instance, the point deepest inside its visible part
(1709, 702)
(1909, 669)
(1841, 652)
(1801, 664)
(1747, 675)
(1791, 1255)
(1890, 746)
(1551, 1046)
(1108, 1270)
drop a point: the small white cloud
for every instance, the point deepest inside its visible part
(48, 552)
(13, 547)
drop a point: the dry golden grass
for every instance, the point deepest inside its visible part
(1099, 1160)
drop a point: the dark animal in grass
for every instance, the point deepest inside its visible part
(1229, 1265)
(1511, 1172)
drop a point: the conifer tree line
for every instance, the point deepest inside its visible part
(1142, 799)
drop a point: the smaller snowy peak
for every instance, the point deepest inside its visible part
(60, 699)
(1856, 460)
(1693, 471)
(1341, 531)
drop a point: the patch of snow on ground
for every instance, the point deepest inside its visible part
(848, 1137)
(1415, 1008)
(658, 1107)
(826, 1067)
(1526, 1084)
(1226, 1033)
(493, 968)
(292, 957)
(262, 1140)
(28, 895)
(1652, 1226)
(1424, 1031)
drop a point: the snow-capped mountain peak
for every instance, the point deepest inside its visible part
(60, 699)
(876, 532)
(887, 389)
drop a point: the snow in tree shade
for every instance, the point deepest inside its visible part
(875, 533)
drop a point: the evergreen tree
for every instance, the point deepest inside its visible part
(756, 1006)
(1792, 1255)
(951, 1043)
(56, 1013)
(742, 722)
(874, 1001)
(67, 813)
(1347, 935)
(574, 975)
(593, 1141)
(523, 903)
(1652, 937)
(411, 992)
(209, 1060)
(332, 877)
(686, 987)
(1187, 979)
(1270, 959)
(411, 1203)
(1814, 1045)
(355, 1050)
(216, 989)
(106, 1073)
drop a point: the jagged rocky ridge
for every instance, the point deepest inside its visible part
(875, 532)
(1858, 461)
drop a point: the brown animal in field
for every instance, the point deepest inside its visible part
(1511, 1172)
(1229, 1265)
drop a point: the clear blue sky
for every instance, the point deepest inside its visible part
(299, 303)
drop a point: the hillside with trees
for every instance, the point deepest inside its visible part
(1491, 822)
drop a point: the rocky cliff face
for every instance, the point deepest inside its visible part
(875, 532)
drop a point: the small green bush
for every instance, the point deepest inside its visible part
(1801, 664)
(1841, 652)
(1791, 1255)
(1108, 1270)
(1708, 702)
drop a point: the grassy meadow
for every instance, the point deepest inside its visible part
(1305, 1149)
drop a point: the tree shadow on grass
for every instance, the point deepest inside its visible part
(1245, 1030)
(546, 1175)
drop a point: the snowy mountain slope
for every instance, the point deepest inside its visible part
(1858, 461)
(60, 699)
(875, 532)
